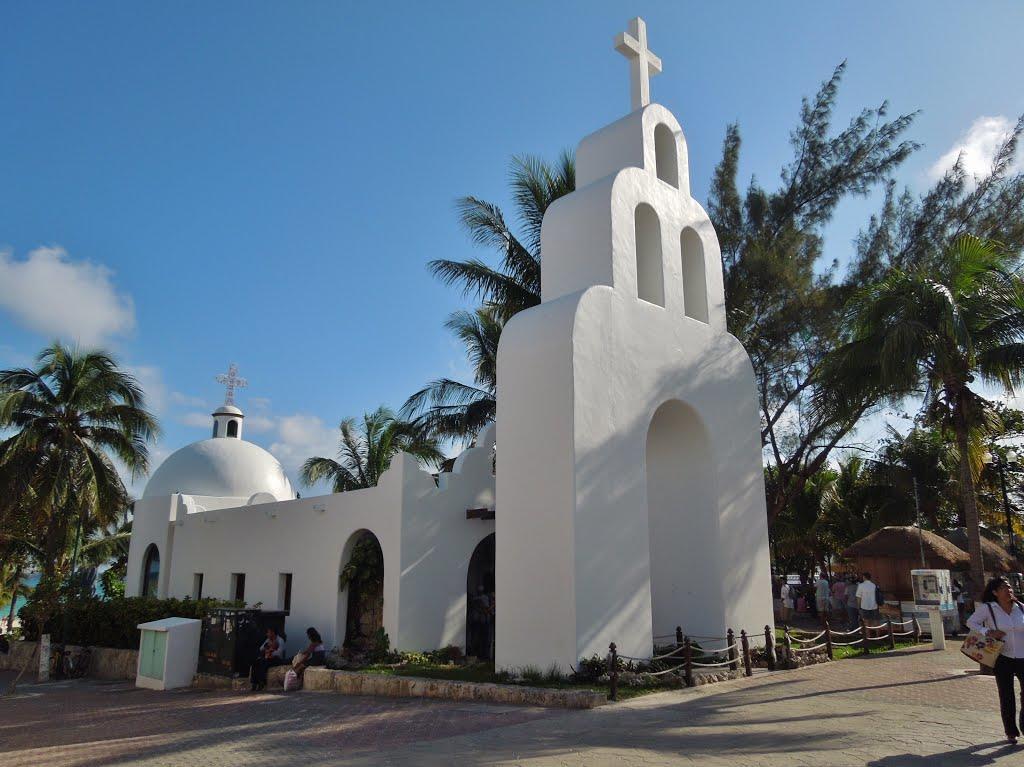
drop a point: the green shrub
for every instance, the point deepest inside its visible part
(109, 622)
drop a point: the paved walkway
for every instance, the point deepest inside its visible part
(905, 709)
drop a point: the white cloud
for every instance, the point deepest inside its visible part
(186, 399)
(195, 419)
(73, 300)
(259, 423)
(300, 437)
(978, 146)
(152, 382)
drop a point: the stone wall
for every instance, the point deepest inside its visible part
(354, 683)
(106, 663)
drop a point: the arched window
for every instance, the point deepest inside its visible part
(650, 282)
(665, 156)
(151, 571)
(232, 428)
(216, 428)
(695, 288)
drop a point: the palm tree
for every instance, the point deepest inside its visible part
(449, 409)
(365, 453)
(938, 329)
(72, 417)
(515, 285)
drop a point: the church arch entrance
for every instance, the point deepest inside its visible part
(682, 520)
(480, 601)
(151, 572)
(360, 591)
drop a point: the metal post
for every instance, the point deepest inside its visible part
(917, 631)
(892, 639)
(613, 672)
(864, 634)
(1006, 503)
(730, 638)
(828, 641)
(679, 636)
(687, 662)
(920, 531)
(745, 644)
(788, 644)
(769, 647)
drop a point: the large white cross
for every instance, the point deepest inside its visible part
(232, 381)
(643, 64)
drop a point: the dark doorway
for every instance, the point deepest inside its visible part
(362, 577)
(480, 601)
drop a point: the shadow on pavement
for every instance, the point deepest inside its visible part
(961, 757)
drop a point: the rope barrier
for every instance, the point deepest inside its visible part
(711, 665)
(847, 644)
(902, 633)
(845, 633)
(805, 641)
(672, 654)
(809, 649)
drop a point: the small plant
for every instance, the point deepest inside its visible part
(378, 646)
(531, 674)
(554, 674)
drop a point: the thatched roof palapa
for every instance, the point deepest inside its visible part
(997, 559)
(905, 543)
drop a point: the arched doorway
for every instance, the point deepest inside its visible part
(682, 520)
(480, 601)
(360, 591)
(151, 572)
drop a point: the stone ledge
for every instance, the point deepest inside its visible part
(319, 679)
(275, 680)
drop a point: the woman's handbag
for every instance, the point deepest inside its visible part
(983, 649)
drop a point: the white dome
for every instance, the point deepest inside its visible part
(223, 468)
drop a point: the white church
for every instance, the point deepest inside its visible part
(627, 495)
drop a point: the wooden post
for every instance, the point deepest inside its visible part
(917, 631)
(730, 639)
(788, 643)
(679, 636)
(892, 639)
(745, 644)
(828, 641)
(687, 662)
(769, 647)
(864, 634)
(613, 672)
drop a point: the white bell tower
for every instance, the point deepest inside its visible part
(227, 419)
(630, 494)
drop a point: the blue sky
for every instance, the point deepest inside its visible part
(191, 184)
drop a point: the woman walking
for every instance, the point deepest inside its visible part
(1002, 617)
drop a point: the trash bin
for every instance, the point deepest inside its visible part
(168, 653)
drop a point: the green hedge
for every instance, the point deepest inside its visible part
(110, 622)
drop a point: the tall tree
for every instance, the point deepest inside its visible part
(450, 409)
(71, 417)
(365, 451)
(936, 329)
(515, 284)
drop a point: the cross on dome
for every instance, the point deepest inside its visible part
(643, 64)
(232, 382)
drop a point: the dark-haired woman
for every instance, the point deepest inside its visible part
(1002, 617)
(313, 655)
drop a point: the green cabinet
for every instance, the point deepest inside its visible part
(151, 654)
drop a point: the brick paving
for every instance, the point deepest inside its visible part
(905, 709)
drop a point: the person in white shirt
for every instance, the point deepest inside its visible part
(867, 599)
(822, 593)
(786, 593)
(1002, 617)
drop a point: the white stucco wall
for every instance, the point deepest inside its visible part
(582, 376)
(424, 535)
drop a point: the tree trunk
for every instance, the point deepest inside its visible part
(14, 599)
(969, 499)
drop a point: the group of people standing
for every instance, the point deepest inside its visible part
(849, 597)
